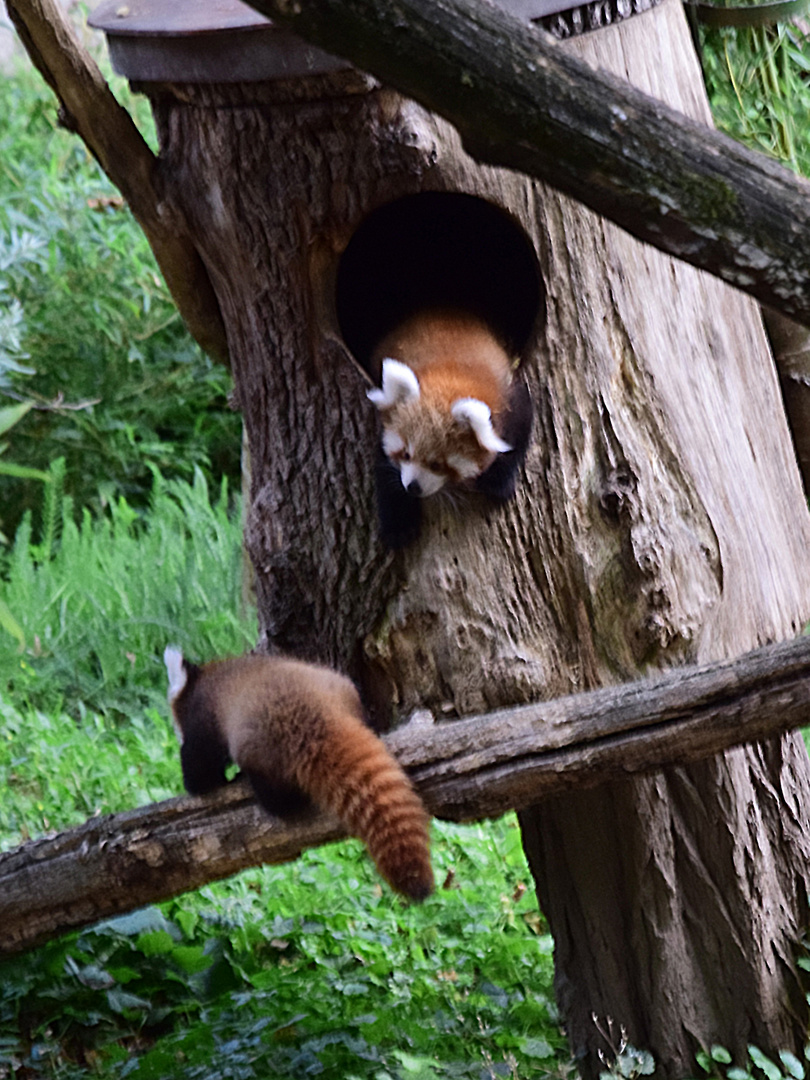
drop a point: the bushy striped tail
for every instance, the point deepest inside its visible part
(355, 777)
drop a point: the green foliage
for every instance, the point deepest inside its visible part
(307, 969)
(759, 89)
(95, 603)
(717, 1062)
(83, 306)
(621, 1060)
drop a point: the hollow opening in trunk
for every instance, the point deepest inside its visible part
(438, 250)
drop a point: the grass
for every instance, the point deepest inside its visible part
(758, 85)
(95, 602)
(88, 331)
(310, 969)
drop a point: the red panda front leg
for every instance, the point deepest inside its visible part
(399, 514)
(203, 757)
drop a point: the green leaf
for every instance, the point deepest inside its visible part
(122, 1002)
(23, 472)
(720, 1054)
(419, 1068)
(792, 1064)
(771, 1070)
(12, 414)
(537, 1048)
(191, 958)
(9, 623)
(156, 943)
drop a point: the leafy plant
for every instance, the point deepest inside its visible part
(621, 1060)
(87, 328)
(307, 969)
(717, 1062)
(758, 85)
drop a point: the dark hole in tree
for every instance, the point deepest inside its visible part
(438, 249)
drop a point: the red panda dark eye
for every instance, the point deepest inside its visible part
(435, 465)
(404, 455)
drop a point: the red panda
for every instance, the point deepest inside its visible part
(452, 413)
(296, 730)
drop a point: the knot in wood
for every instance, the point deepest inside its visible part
(618, 489)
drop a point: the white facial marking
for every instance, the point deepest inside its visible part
(392, 441)
(465, 467)
(476, 414)
(399, 385)
(176, 670)
(429, 482)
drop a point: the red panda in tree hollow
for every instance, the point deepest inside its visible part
(453, 413)
(297, 731)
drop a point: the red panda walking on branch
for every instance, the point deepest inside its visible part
(297, 732)
(453, 413)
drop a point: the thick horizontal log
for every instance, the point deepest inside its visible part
(464, 770)
(519, 99)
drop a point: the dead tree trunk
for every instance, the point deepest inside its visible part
(661, 520)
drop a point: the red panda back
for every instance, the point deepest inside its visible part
(454, 355)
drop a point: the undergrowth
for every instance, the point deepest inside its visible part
(95, 602)
(304, 970)
(310, 969)
(88, 330)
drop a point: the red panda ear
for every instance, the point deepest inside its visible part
(399, 385)
(476, 414)
(176, 670)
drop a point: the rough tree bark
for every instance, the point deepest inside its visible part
(661, 520)
(521, 101)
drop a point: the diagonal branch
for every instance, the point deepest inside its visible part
(465, 770)
(519, 99)
(90, 109)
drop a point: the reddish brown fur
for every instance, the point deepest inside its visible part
(453, 355)
(286, 719)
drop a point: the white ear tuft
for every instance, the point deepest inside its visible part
(176, 669)
(476, 414)
(399, 384)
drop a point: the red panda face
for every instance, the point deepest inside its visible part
(430, 449)
(432, 443)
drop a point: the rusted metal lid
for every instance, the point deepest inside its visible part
(203, 41)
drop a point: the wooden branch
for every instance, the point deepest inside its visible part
(519, 99)
(90, 109)
(465, 770)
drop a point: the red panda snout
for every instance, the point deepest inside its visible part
(430, 447)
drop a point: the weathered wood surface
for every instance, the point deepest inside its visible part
(660, 521)
(520, 100)
(467, 770)
(90, 109)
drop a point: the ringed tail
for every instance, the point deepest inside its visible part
(353, 775)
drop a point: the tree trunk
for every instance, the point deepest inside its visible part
(676, 900)
(660, 520)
